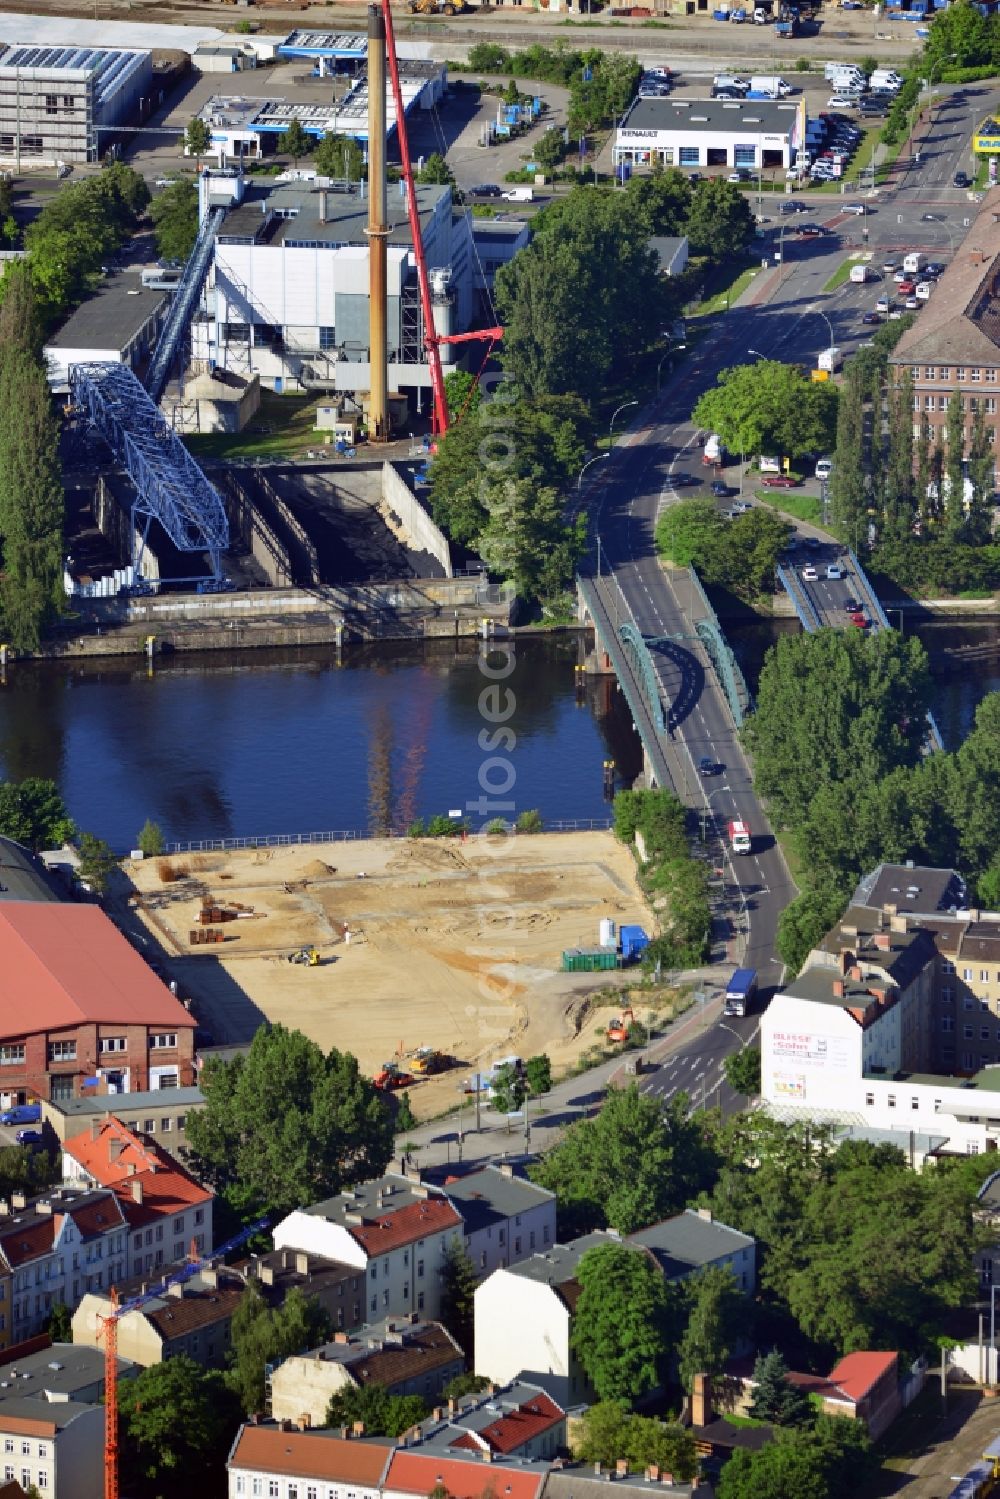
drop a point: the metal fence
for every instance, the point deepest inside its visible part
(346, 835)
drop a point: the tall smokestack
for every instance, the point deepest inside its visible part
(378, 229)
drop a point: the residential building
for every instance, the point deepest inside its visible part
(281, 1463)
(507, 1218)
(406, 1358)
(569, 1482)
(863, 1386)
(340, 1289)
(394, 1229)
(524, 1313)
(52, 1420)
(168, 1211)
(56, 1248)
(193, 1318)
(954, 345)
(83, 1009)
(23, 876)
(758, 135)
(163, 1113)
(520, 1421)
(62, 103)
(119, 323)
(414, 1473)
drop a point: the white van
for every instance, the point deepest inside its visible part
(860, 273)
(914, 263)
(922, 291)
(885, 78)
(730, 82)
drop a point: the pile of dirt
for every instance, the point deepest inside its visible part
(317, 870)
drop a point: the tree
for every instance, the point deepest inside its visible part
(340, 156)
(549, 149)
(436, 171)
(465, 1384)
(263, 1335)
(988, 886)
(177, 1419)
(60, 1325)
(662, 200)
(769, 407)
(284, 1124)
(715, 1310)
(636, 1163)
(404, 1113)
(807, 919)
(20, 322)
(31, 499)
(150, 839)
(175, 219)
(384, 1415)
(954, 472)
(743, 1071)
(97, 862)
(538, 1071)
(33, 812)
(979, 519)
(27, 1171)
(608, 1432)
(296, 140)
(509, 1090)
(900, 499)
(527, 539)
(774, 1399)
(458, 1289)
(792, 1465)
(197, 139)
(620, 1324)
(720, 222)
(691, 533)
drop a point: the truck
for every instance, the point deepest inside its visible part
(769, 86)
(830, 359)
(832, 69)
(861, 273)
(914, 262)
(739, 836)
(713, 449)
(740, 992)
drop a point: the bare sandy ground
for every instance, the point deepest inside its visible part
(455, 945)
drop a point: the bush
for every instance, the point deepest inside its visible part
(417, 828)
(497, 825)
(150, 839)
(529, 821)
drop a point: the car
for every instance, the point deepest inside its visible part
(719, 489)
(793, 206)
(934, 268)
(165, 181)
(907, 287)
(961, 179)
(708, 767)
(858, 208)
(742, 507)
(779, 481)
(851, 604)
(29, 1137)
(809, 231)
(812, 541)
(930, 218)
(726, 95)
(923, 291)
(895, 314)
(22, 1113)
(859, 620)
(486, 190)
(738, 176)
(889, 268)
(809, 573)
(871, 318)
(833, 573)
(679, 480)
(824, 468)
(911, 304)
(884, 304)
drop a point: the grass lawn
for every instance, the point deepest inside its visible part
(840, 275)
(723, 299)
(283, 426)
(982, 176)
(801, 506)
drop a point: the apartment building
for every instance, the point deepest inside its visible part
(54, 1249)
(167, 1210)
(954, 343)
(163, 1113)
(193, 1319)
(281, 1463)
(506, 1217)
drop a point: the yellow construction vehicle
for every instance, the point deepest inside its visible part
(307, 955)
(426, 1060)
(438, 7)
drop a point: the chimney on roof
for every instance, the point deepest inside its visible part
(305, 1421)
(341, 1337)
(267, 1275)
(130, 1169)
(4, 1208)
(890, 908)
(210, 1278)
(137, 1191)
(436, 1413)
(883, 941)
(18, 1200)
(854, 972)
(487, 1454)
(451, 1407)
(653, 1472)
(322, 206)
(898, 923)
(43, 1207)
(838, 988)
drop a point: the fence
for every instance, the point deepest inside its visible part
(346, 835)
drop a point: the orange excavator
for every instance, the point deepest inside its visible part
(618, 1029)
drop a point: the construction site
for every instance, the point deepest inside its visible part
(434, 956)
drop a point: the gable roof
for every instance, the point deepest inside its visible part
(961, 323)
(387, 1212)
(75, 967)
(387, 1353)
(857, 1374)
(493, 1195)
(420, 1472)
(310, 1454)
(147, 1180)
(688, 1242)
(32, 1232)
(514, 1428)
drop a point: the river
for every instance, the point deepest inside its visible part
(272, 742)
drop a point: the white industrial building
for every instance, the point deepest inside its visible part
(753, 134)
(63, 103)
(287, 293)
(862, 1037)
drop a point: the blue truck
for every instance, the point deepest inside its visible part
(740, 992)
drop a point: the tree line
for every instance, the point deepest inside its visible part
(601, 84)
(740, 555)
(673, 880)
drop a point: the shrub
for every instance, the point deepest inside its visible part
(530, 821)
(497, 825)
(417, 828)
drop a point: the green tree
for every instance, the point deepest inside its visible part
(692, 533)
(848, 500)
(262, 1335)
(637, 1162)
(620, 1324)
(177, 1419)
(20, 320)
(979, 519)
(31, 500)
(436, 171)
(458, 1289)
(717, 1314)
(60, 1323)
(961, 37)
(807, 919)
(150, 839)
(743, 1071)
(465, 1384)
(792, 1465)
(97, 862)
(27, 1171)
(720, 222)
(549, 149)
(197, 139)
(174, 213)
(463, 392)
(527, 539)
(954, 472)
(538, 1071)
(404, 1113)
(900, 498)
(608, 1432)
(662, 200)
(509, 1090)
(384, 1415)
(33, 812)
(847, 1452)
(769, 407)
(988, 886)
(284, 1124)
(340, 156)
(774, 1399)
(296, 140)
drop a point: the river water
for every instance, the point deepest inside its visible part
(260, 743)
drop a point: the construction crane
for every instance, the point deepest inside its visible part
(432, 339)
(109, 1331)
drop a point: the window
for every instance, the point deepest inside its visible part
(947, 995)
(385, 1299)
(374, 1304)
(967, 1032)
(967, 1002)
(892, 1100)
(517, 1245)
(984, 975)
(870, 1100)
(199, 1215)
(420, 1269)
(914, 1103)
(62, 1051)
(545, 1233)
(947, 968)
(43, 1479)
(25, 1449)
(165, 1039)
(113, 1043)
(272, 1488)
(8, 1444)
(10, 1056)
(531, 1239)
(327, 338)
(166, 1125)
(688, 156)
(420, 1301)
(977, 375)
(960, 373)
(967, 974)
(255, 1486)
(482, 1260)
(148, 1127)
(51, 104)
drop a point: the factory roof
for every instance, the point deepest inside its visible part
(305, 213)
(111, 317)
(61, 30)
(302, 43)
(697, 116)
(22, 876)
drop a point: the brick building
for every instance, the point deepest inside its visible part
(954, 343)
(77, 1003)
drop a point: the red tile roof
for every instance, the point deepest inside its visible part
(310, 1454)
(397, 1226)
(858, 1373)
(421, 1472)
(514, 1429)
(62, 965)
(119, 1158)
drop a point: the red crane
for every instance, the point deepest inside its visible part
(109, 1332)
(432, 339)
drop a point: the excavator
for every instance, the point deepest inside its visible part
(437, 7)
(618, 1029)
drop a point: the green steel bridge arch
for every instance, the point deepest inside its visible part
(642, 664)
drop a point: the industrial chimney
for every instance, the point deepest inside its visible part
(378, 229)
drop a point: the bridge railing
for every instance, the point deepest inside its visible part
(727, 668)
(877, 612)
(803, 604)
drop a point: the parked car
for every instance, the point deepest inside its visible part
(907, 287)
(884, 304)
(30, 1137)
(899, 276)
(889, 268)
(22, 1113)
(485, 190)
(742, 507)
(779, 481)
(824, 468)
(809, 573)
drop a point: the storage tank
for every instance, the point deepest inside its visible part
(608, 932)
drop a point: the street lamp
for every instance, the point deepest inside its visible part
(611, 425)
(676, 350)
(706, 809)
(820, 313)
(756, 353)
(598, 459)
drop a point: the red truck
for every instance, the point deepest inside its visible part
(739, 836)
